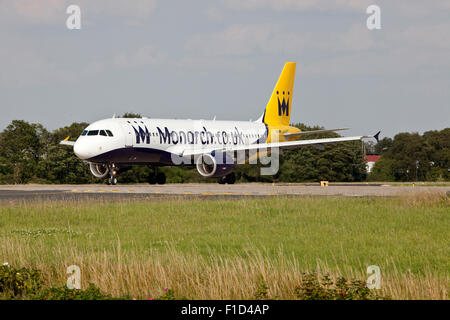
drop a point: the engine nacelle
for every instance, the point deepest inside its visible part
(212, 166)
(99, 170)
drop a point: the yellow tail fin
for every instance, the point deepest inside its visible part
(278, 110)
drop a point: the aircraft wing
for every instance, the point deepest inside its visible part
(281, 145)
(66, 142)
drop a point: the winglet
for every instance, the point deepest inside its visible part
(376, 136)
(67, 139)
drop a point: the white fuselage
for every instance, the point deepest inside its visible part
(154, 141)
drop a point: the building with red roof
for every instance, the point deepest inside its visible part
(371, 159)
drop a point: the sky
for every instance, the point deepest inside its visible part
(206, 59)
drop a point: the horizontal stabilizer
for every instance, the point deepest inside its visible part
(294, 134)
(66, 142)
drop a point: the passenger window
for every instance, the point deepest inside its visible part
(84, 132)
(93, 133)
(102, 133)
(109, 133)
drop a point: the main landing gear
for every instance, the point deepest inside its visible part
(230, 179)
(157, 177)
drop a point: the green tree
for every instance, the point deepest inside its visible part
(59, 164)
(20, 151)
(411, 155)
(382, 170)
(333, 162)
(382, 146)
(131, 115)
(440, 155)
(62, 166)
(73, 131)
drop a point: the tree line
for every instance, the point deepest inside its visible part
(29, 153)
(413, 157)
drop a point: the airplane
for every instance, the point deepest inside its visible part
(113, 145)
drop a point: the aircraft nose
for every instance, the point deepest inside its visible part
(82, 150)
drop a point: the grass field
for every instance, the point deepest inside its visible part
(223, 249)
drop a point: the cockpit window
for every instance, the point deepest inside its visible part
(105, 133)
(93, 133)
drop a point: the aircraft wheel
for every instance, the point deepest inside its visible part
(231, 178)
(222, 180)
(152, 179)
(160, 178)
(112, 181)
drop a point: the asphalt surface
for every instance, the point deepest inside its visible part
(209, 190)
(23, 196)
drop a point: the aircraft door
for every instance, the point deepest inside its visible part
(129, 135)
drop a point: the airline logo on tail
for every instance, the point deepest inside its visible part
(283, 107)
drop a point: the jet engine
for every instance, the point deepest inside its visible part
(212, 165)
(99, 170)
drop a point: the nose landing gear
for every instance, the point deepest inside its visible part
(112, 180)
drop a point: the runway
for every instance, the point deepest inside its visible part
(207, 190)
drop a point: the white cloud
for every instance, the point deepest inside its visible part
(27, 68)
(54, 11)
(200, 65)
(94, 67)
(133, 13)
(432, 36)
(409, 50)
(251, 40)
(214, 14)
(415, 8)
(411, 8)
(298, 5)
(245, 40)
(356, 38)
(146, 55)
(23, 66)
(356, 51)
(31, 11)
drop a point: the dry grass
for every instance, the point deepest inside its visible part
(214, 277)
(430, 199)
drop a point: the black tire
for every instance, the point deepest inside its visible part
(111, 181)
(222, 180)
(160, 178)
(231, 178)
(152, 179)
